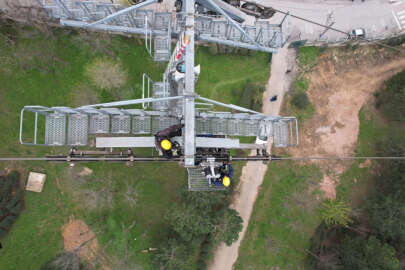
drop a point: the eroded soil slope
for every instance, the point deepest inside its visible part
(339, 85)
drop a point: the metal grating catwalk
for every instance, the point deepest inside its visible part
(77, 13)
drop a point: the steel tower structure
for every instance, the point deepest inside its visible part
(173, 100)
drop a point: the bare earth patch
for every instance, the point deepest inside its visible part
(78, 237)
(338, 87)
(328, 187)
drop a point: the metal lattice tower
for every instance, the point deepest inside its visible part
(171, 100)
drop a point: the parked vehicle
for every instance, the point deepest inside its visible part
(358, 33)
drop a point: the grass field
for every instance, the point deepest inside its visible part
(284, 218)
(55, 68)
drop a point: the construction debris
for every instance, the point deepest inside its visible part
(35, 182)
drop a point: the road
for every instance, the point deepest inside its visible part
(378, 17)
(253, 172)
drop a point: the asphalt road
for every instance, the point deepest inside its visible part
(378, 17)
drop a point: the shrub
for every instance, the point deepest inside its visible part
(300, 100)
(391, 99)
(64, 261)
(335, 212)
(361, 253)
(11, 197)
(251, 97)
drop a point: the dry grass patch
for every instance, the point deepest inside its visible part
(106, 73)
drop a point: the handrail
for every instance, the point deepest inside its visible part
(145, 76)
(35, 130)
(148, 48)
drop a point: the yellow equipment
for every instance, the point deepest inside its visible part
(226, 181)
(166, 144)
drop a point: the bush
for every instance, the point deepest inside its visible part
(64, 261)
(300, 100)
(11, 196)
(361, 253)
(251, 97)
(391, 99)
(396, 41)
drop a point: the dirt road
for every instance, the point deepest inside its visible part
(253, 172)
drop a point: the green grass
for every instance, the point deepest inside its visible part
(308, 56)
(284, 218)
(48, 69)
(223, 76)
(300, 86)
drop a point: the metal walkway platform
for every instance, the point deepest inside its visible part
(159, 27)
(198, 182)
(74, 126)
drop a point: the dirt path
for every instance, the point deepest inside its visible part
(253, 172)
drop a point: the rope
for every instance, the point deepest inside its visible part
(157, 159)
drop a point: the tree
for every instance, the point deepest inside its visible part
(335, 212)
(188, 222)
(367, 254)
(391, 98)
(10, 201)
(387, 216)
(386, 207)
(172, 255)
(229, 226)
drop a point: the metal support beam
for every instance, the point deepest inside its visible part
(122, 12)
(189, 106)
(240, 29)
(141, 31)
(131, 102)
(111, 28)
(230, 106)
(237, 44)
(63, 7)
(285, 17)
(86, 10)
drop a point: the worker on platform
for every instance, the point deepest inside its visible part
(163, 142)
(225, 176)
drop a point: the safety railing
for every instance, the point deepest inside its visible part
(146, 79)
